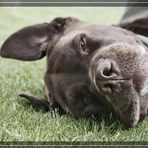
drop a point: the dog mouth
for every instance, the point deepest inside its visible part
(120, 93)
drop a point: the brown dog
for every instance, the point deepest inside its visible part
(91, 69)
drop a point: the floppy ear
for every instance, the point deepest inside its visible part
(135, 19)
(139, 26)
(30, 43)
(37, 103)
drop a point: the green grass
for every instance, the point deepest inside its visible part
(18, 120)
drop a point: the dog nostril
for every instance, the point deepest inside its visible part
(107, 69)
(107, 76)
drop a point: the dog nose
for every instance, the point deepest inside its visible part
(107, 75)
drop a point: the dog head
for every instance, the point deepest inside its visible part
(114, 59)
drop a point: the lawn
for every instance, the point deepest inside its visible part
(18, 120)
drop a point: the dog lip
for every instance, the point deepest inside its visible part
(115, 80)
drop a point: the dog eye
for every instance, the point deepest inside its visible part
(83, 45)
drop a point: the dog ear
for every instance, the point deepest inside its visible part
(36, 102)
(138, 26)
(30, 43)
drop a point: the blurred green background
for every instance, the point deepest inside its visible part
(18, 120)
(14, 18)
